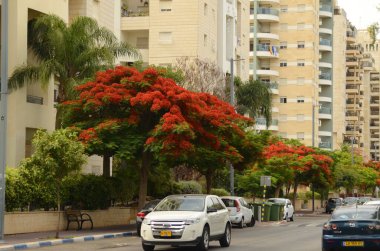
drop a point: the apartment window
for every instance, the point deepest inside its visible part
(283, 100)
(283, 27)
(265, 80)
(301, 44)
(165, 5)
(300, 135)
(283, 117)
(284, 8)
(300, 26)
(142, 43)
(300, 99)
(205, 9)
(300, 117)
(283, 45)
(283, 63)
(300, 81)
(165, 37)
(301, 62)
(301, 7)
(205, 40)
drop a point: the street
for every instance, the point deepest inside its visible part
(302, 234)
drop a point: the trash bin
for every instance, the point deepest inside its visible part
(265, 210)
(275, 212)
(255, 209)
(281, 211)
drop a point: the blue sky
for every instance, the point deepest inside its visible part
(361, 13)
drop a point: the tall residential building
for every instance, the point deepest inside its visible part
(164, 30)
(291, 46)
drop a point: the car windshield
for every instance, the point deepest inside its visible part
(279, 201)
(229, 202)
(355, 214)
(350, 200)
(181, 204)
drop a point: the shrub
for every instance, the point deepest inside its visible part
(219, 192)
(187, 187)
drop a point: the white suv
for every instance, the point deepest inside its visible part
(187, 220)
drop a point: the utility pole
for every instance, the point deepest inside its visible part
(232, 101)
(3, 110)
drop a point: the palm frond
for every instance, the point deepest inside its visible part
(29, 74)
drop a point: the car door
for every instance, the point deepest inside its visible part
(247, 212)
(221, 214)
(290, 208)
(212, 216)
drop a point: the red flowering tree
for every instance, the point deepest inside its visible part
(302, 162)
(145, 116)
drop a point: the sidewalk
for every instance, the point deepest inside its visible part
(308, 212)
(40, 239)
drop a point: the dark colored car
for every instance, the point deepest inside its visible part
(144, 212)
(333, 203)
(352, 227)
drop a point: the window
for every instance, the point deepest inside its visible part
(283, 100)
(300, 135)
(300, 26)
(165, 37)
(300, 117)
(205, 9)
(283, 27)
(283, 63)
(205, 40)
(301, 44)
(300, 99)
(301, 62)
(165, 5)
(283, 45)
(284, 8)
(301, 7)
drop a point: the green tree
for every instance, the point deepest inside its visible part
(69, 53)
(255, 98)
(56, 156)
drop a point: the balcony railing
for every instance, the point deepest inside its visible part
(325, 7)
(35, 99)
(262, 121)
(351, 87)
(351, 60)
(264, 47)
(140, 11)
(324, 41)
(325, 110)
(325, 75)
(351, 114)
(367, 64)
(273, 85)
(324, 144)
(267, 11)
(350, 34)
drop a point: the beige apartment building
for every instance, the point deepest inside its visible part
(163, 30)
(291, 48)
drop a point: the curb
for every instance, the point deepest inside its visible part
(22, 246)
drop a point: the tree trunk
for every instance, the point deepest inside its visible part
(209, 181)
(58, 118)
(277, 191)
(59, 213)
(295, 192)
(106, 165)
(144, 170)
(61, 97)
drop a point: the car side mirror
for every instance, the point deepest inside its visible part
(212, 210)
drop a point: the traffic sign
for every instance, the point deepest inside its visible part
(265, 181)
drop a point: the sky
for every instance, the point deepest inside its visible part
(361, 13)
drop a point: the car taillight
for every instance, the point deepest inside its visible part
(373, 227)
(141, 214)
(328, 226)
(236, 204)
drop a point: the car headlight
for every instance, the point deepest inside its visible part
(192, 221)
(146, 221)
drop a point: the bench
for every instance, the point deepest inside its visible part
(78, 217)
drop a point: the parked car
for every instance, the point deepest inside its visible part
(350, 201)
(240, 212)
(187, 220)
(288, 207)
(375, 202)
(333, 203)
(351, 227)
(363, 200)
(144, 212)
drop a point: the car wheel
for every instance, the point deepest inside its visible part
(292, 218)
(147, 247)
(241, 223)
(286, 217)
(226, 239)
(252, 223)
(204, 243)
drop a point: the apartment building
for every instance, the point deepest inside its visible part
(291, 49)
(165, 30)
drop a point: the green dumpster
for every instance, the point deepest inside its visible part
(266, 211)
(255, 209)
(275, 212)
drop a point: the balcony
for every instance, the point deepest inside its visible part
(326, 145)
(325, 44)
(324, 133)
(325, 11)
(367, 66)
(136, 16)
(325, 78)
(266, 15)
(266, 72)
(262, 125)
(267, 51)
(273, 87)
(350, 37)
(267, 35)
(325, 113)
(352, 89)
(328, 31)
(274, 2)
(353, 62)
(325, 99)
(325, 65)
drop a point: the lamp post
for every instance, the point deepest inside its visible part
(3, 109)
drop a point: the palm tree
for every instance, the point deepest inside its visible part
(71, 54)
(254, 98)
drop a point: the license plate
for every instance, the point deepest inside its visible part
(353, 243)
(166, 233)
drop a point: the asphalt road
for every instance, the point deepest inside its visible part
(302, 234)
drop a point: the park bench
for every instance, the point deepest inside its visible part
(78, 217)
